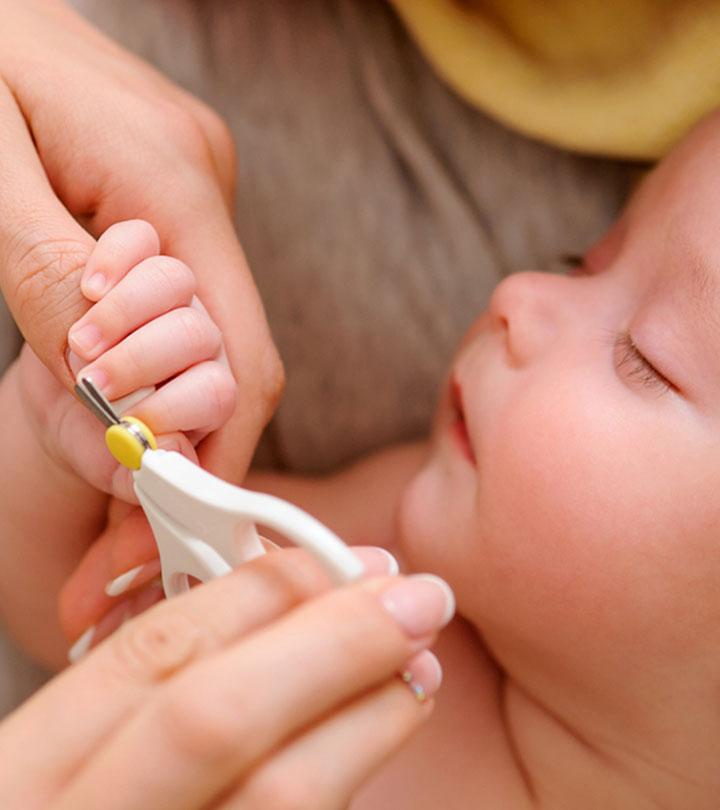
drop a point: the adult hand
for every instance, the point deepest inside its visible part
(262, 689)
(90, 135)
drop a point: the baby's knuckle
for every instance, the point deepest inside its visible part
(200, 332)
(176, 279)
(220, 392)
(155, 645)
(197, 721)
(114, 309)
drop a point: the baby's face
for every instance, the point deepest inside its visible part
(572, 495)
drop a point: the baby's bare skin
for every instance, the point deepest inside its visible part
(146, 328)
(569, 497)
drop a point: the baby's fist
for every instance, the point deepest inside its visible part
(148, 330)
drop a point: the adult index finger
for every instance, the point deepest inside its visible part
(113, 680)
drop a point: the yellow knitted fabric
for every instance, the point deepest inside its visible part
(611, 77)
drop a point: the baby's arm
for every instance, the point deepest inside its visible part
(48, 515)
(149, 330)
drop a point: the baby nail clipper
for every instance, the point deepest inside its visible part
(204, 527)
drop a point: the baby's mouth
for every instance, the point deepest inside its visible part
(458, 425)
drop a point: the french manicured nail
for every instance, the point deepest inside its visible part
(81, 646)
(420, 604)
(123, 582)
(135, 577)
(377, 561)
(85, 339)
(423, 675)
(95, 286)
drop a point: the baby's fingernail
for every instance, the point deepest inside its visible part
(420, 604)
(81, 646)
(94, 286)
(98, 377)
(131, 400)
(74, 362)
(120, 584)
(85, 339)
(423, 675)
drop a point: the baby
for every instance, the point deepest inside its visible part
(569, 496)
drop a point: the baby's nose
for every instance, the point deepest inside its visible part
(527, 306)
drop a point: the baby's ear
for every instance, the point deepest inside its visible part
(116, 252)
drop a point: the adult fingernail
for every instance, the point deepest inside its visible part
(85, 339)
(420, 604)
(135, 577)
(120, 584)
(94, 286)
(423, 675)
(378, 561)
(81, 646)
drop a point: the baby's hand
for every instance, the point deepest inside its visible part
(147, 329)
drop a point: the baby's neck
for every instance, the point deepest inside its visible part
(652, 756)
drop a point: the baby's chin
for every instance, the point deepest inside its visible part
(430, 521)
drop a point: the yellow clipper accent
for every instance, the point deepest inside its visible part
(124, 444)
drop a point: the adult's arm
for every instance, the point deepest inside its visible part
(90, 135)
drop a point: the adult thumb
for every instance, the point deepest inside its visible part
(42, 248)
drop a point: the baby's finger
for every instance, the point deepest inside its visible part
(201, 398)
(121, 483)
(151, 288)
(121, 247)
(157, 351)
(356, 740)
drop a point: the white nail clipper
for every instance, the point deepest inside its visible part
(203, 526)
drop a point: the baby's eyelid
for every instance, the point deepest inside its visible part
(644, 370)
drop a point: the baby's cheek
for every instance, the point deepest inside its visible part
(560, 531)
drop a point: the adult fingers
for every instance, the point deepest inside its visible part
(133, 662)
(218, 717)
(356, 740)
(42, 248)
